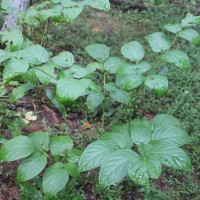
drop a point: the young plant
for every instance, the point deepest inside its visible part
(34, 150)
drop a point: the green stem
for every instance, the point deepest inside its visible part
(104, 92)
(147, 190)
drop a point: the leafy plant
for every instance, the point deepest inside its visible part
(33, 152)
(138, 148)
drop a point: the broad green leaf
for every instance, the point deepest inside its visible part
(173, 28)
(55, 178)
(117, 94)
(14, 68)
(7, 6)
(121, 139)
(140, 131)
(190, 35)
(35, 54)
(171, 135)
(141, 168)
(112, 64)
(177, 57)
(55, 101)
(157, 82)
(115, 168)
(98, 4)
(92, 67)
(170, 155)
(134, 51)
(70, 14)
(12, 37)
(142, 67)
(128, 69)
(69, 90)
(64, 59)
(40, 140)
(164, 120)
(30, 76)
(68, 3)
(4, 55)
(49, 13)
(60, 145)
(72, 170)
(79, 71)
(20, 91)
(99, 52)
(190, 20)
(95, 154)
(158, 41)
(45, 73)
(31, 166)
(128, 82)
(94, 99)
(16, 148)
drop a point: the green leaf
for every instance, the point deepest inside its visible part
(13, 69)
(7, 6)
(164, 120)
(115, 168)
(121, 139)
(173, 28)
(55, 178)
(45, 73)
(171, 135)
(64, 59)
(170, 155)
(140, 168)
(74, 156)
(158, 41)
(72, 170)
(68, 3)
(35, 54)
(95, 155)
(30, 76)
(31, 166)
(70, 14)
(142, 67)
(98, 4)
(4, 55)
(190, 20)
(157, 82)
(134, 51)
(12, 37)
(94, 99)
(60, 145)
(117, 94)
(112, 64)
(99, 52)
(20, 91)
(92, 67)
(190, 35)
(55, 101)
(140, 131)
(69, 90)
(78, 71)
(129, 82)
(16, 148)
(40, 140)
(177, 57)
(49, 13)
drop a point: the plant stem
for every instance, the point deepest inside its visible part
(104, 92)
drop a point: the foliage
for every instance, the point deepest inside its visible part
(137, 149)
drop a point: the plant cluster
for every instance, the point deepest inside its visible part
(138, 148)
